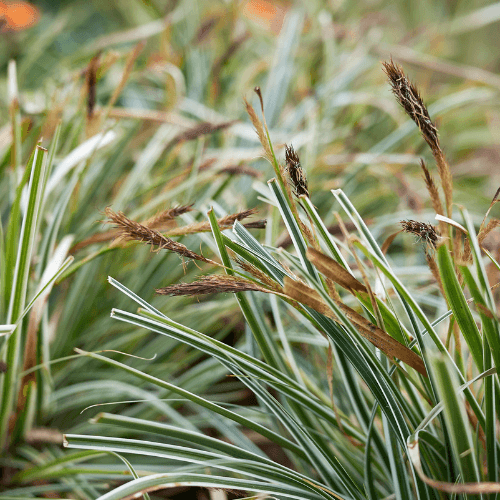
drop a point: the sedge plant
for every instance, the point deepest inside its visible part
(140, 143)
(363, 392)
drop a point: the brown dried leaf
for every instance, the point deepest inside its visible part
(333, 270)
(483, 233)
(391, 347)
(457, 488)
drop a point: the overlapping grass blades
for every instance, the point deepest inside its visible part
(281, 353)
(299, 415)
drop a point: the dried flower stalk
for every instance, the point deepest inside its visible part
(431, 262)
(484, 230)
(205, 29)
(492, 224)
(131, 230)
(224, 58)
(129, 64)
(167, 215)
(161, 221)
(226, 222)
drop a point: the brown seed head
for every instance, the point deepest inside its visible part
(131, 230)
(409, 97)
(211, 284)
(295, 172)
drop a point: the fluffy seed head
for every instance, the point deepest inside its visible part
(425, 232)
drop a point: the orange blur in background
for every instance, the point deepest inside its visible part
(17, 16)
(267, 14)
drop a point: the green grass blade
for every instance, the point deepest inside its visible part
(17, 301)
(267, 473)
(323, 231)
(456, 420)
(260, 333)
(295, 233)
(459, 305)
(202, 402)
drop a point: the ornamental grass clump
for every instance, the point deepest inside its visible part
(364, 394)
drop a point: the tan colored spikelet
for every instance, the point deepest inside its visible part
(432, 188)
(259, 128)
(167, 215)
(203, 128)
(483, 233)
(446, 179)
(431, 262)
(225, 222)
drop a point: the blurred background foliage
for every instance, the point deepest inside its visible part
(183, 63)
